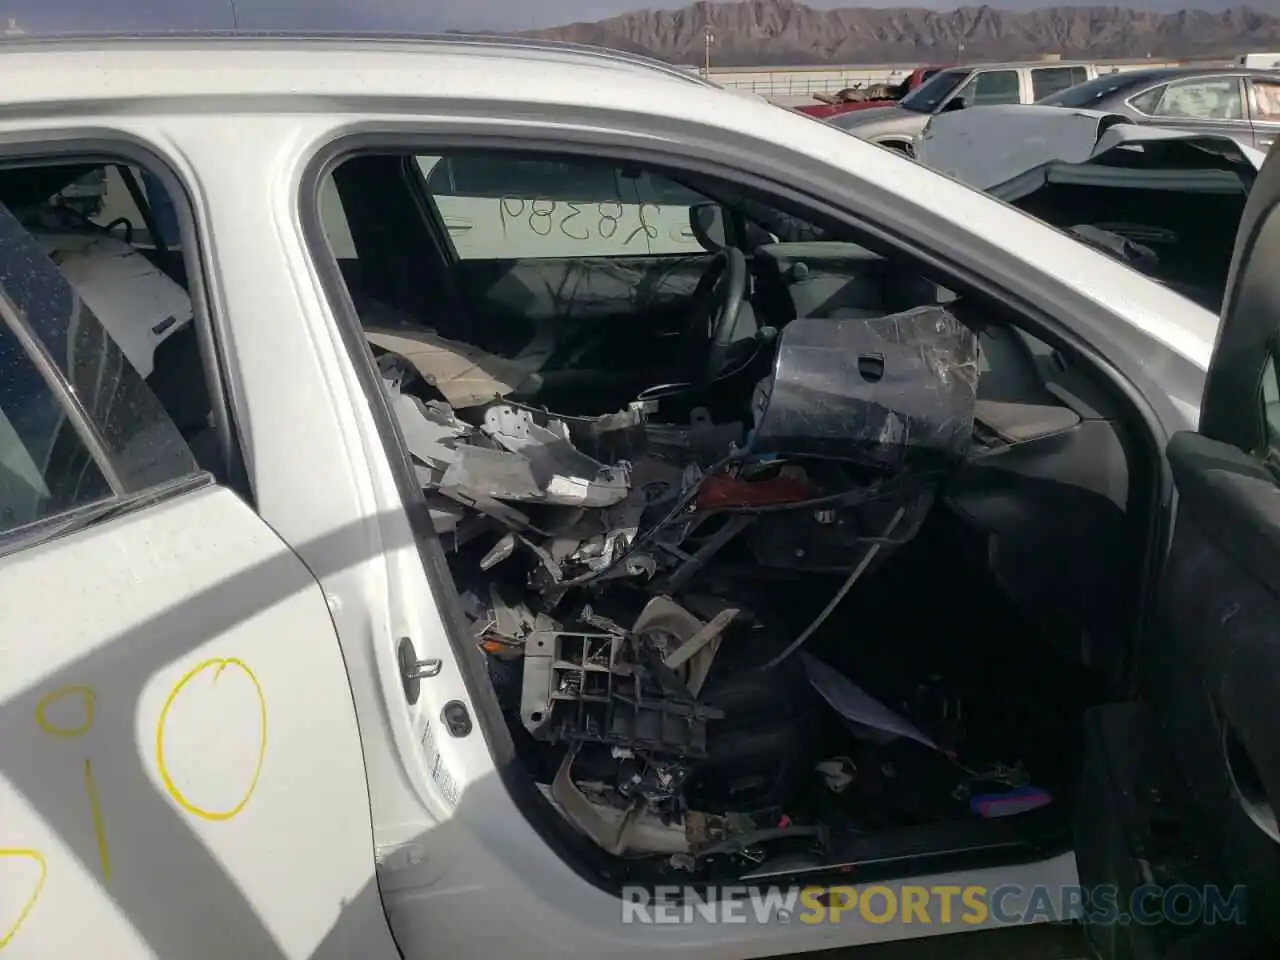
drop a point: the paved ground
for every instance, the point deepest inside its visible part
(1038, 942)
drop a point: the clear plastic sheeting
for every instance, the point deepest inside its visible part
(884, 391)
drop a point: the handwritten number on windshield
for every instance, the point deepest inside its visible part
(540, 215)
(610, 213)
(540, 221)
(509, 208)
(576, 211)
(648, 229)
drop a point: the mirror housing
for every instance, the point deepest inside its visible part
(706, 221)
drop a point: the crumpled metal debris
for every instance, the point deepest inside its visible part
(508, 457)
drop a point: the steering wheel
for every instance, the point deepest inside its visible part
(716, 303)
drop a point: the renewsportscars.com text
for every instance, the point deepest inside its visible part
(937, 905)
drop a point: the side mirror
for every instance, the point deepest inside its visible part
(955, 103)
(706, 221)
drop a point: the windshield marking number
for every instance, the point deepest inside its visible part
(540, 216)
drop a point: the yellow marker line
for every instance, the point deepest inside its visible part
(99, 827)
(48, 726)
(38, 858)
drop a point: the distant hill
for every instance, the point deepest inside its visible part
(750, 32)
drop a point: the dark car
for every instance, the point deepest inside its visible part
(1242, 104)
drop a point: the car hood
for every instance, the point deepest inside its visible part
(875, 121)
(1166, 201)
(989, 147)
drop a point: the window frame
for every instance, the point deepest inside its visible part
(69, 147)
(93, 146)
(1206, 78)
(123, 496)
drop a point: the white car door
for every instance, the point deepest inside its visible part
(177, 736)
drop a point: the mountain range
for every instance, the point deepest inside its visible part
(762, 32)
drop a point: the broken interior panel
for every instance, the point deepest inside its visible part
(782, 558)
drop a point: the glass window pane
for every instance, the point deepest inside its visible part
(45, 467)
(1217, 99)
(145, 446)
(995, 86)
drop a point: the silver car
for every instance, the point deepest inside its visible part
(986, 84)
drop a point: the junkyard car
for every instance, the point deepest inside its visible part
(1167, 200)
(984, 84)
(364, 597)
(1234, 102)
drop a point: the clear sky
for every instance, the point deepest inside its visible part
(61, 16)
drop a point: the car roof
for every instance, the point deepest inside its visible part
(1018, 64)
(1159, 74)
(342, 77)
(450, 42)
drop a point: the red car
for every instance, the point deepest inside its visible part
(888, 94)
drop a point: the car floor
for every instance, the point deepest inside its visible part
(938, 643)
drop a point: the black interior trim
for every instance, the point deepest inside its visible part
(1234, 498)
(1249, 326)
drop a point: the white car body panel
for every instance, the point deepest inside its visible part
(95, 828)
(459, 868)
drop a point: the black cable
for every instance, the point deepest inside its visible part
(681, 504)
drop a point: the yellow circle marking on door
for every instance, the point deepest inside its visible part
(58, 729)
(36, 857)
(178, 796)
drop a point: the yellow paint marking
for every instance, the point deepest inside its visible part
(99, 827)
(178, 796)
(36, 857)
(49, 726)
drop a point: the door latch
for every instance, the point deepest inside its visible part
(413, 671)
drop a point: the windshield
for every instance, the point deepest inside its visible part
(929, 95)
(1090, 92)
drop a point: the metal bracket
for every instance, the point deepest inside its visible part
(413, 671)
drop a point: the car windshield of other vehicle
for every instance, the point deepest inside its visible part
(1089, 93)
(927, 97)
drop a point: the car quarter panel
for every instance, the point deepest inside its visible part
(123, 824)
